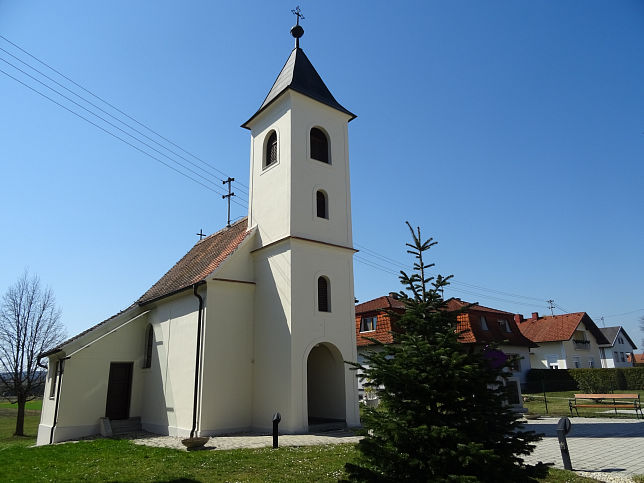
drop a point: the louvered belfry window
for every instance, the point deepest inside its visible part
(271, 150)
(323, 295)
(321, 202)
(319, 145)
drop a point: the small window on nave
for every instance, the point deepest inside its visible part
(322, 204)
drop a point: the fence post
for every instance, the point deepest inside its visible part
(545, 399)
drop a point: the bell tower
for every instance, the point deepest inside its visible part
(300, 205)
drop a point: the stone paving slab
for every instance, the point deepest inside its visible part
(602, 447)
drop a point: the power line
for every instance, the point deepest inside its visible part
(113, 107)
(109, 132)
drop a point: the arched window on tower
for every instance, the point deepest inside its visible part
(270, 155)
(322, 204)
(324, 294)
(319, 145)
(149, 343)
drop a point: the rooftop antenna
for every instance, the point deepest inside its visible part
(551, 306)
(297, 31)
(603, 323)
(229, 196)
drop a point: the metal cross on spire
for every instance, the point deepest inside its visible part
(201, 234)
(298, 13)
(297, 31)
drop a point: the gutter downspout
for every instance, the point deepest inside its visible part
(61, 369)
(197, 360)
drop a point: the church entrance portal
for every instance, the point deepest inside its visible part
(119, 388)
(325, 385)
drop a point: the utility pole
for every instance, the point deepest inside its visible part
(551, 306)
(229, 195)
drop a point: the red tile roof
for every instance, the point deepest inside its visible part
(386, 302)
(199, 262)
(553, 328)
(194, 267)
(639, 358)
(468, 321)
(473, 333)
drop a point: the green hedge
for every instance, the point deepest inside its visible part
(585, 380)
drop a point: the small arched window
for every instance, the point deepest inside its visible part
(271, 150)
(149, 342)
(324, 294)
(319, 145)
(322, 204)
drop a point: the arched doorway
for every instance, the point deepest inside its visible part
(325, 385)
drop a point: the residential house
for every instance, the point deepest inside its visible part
(619, 350)
(564, 341)
(481, 327)
(255, 318)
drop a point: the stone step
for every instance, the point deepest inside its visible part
(120, 426)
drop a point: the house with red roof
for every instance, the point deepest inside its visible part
(480, 326)
(254, 319)
(564, 341)
(638, 359)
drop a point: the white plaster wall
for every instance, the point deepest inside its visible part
(84, 385)
(272, 336)
(583, 354)
(270, 188)
(310, 175)
(228, 352)
(539, 355)
(169, 382)
(310, 326)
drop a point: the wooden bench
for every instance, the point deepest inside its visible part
(619, 401)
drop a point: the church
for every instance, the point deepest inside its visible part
(255, 319)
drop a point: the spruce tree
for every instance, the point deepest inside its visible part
(442, 413)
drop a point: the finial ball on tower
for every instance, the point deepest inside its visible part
(297, 31)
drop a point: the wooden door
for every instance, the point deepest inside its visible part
(119, 388)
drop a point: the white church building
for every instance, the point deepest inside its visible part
(256, 318)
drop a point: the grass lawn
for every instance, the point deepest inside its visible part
(119, 460)
(558, 405)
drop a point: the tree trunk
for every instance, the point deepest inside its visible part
(20, 421)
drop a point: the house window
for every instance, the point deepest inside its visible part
(621, 357)
(620, 340)
(483, 323)
(591, 362)
(322, 204)
(319, 145)
(149, 342)
(504, 325)
(576, 362)
(54, 378)
(324, 302)
(368, 324)
(553, 361)
(270, 155)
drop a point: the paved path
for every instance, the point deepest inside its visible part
(605, 449)
(250, 440)
(601, 446)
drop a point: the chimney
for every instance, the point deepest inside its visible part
(535, 315)
(518, 318)
(394, 295)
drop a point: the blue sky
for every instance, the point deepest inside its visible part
(511, 132)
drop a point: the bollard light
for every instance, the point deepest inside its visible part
(277, 417)
(563, 428)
